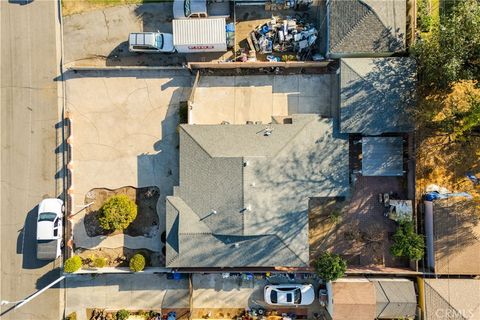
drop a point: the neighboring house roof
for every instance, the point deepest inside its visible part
(376, 95)
(361, 298)
(396, 299)
(353, 300)
(382, 156)
(366, 26)
(455, 299)
(456, 232)
(243, 196)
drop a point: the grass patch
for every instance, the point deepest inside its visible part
(70, 7)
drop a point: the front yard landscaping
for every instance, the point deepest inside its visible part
(146, 220)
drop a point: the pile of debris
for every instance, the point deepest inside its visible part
(284, 36)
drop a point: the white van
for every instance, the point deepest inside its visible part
(150, 42)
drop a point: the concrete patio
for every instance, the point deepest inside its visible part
(238, 99)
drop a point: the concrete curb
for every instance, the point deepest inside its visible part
(123, 68)
(111, 270)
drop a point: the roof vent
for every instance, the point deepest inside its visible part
(267, 132)
(214, 211)
(237, 245)
(245, 163)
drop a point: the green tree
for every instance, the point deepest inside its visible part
(117, 212)
(72, 264)
(122, 314)
(137, 262)
(330, 266)
(452, 51)
(407, 243)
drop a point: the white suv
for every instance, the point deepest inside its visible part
(150, 42)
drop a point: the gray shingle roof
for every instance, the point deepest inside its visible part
(396, 299)
(366, 26)
(382, 156)
(243, 196)
(376, 95)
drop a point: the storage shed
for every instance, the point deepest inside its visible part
(199, 35)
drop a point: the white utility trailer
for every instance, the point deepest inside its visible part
(200, 35)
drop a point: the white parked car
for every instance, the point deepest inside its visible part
(150, 42)
(49, 229)
(289, 294)
(184, 9)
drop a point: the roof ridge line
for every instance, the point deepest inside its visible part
(196, 142)
(294, 136)
(196, 233)
(445, 300)
(355, 26)
(288, 247)
(363, 78)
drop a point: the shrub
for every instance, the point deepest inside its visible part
(137, 262)
(123, 314)
(100, 262)
(117, 213)
(71, 316)
(424, 19)
(406, 243)
(72, 264)
(330, 266)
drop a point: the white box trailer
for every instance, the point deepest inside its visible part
(200, 35)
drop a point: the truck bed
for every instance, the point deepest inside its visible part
(218, 9)
(47, 249)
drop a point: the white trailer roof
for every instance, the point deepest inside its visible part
(199, 31)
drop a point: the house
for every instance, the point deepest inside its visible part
(450, 298)
(243, 193)
(376, 298)
(365, 28)
(452, 228)
(376, 95)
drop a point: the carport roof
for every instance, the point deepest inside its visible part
(376, 95)
(382, 156)
(243, 195)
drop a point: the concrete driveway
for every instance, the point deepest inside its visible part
(124, 134)
(125, 291)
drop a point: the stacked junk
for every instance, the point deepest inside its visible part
(285, 36)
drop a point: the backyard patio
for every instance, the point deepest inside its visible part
(356, 228)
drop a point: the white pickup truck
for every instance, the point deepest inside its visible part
(50, 229)
(186, 9)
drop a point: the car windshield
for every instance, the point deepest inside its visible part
(159, 41)
(273, 296)
(298, 296)
(47, 216)
(187, 8)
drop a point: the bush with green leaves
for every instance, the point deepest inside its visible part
(137, 262)
(330, 266)
(117, 212)
(122, 314)
(71, 316)
(100, 262)
(407, 243)
(72, 264)
(424, 19)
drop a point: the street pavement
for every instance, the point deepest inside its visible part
(29, 115)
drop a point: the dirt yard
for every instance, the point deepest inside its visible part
(446, 163)
(355, 228)
(70, 7)
(146, 222)
(119, 257)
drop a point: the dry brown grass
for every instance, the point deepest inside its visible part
(445, 163)
(70, 7)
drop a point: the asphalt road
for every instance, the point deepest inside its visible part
(29, 114)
